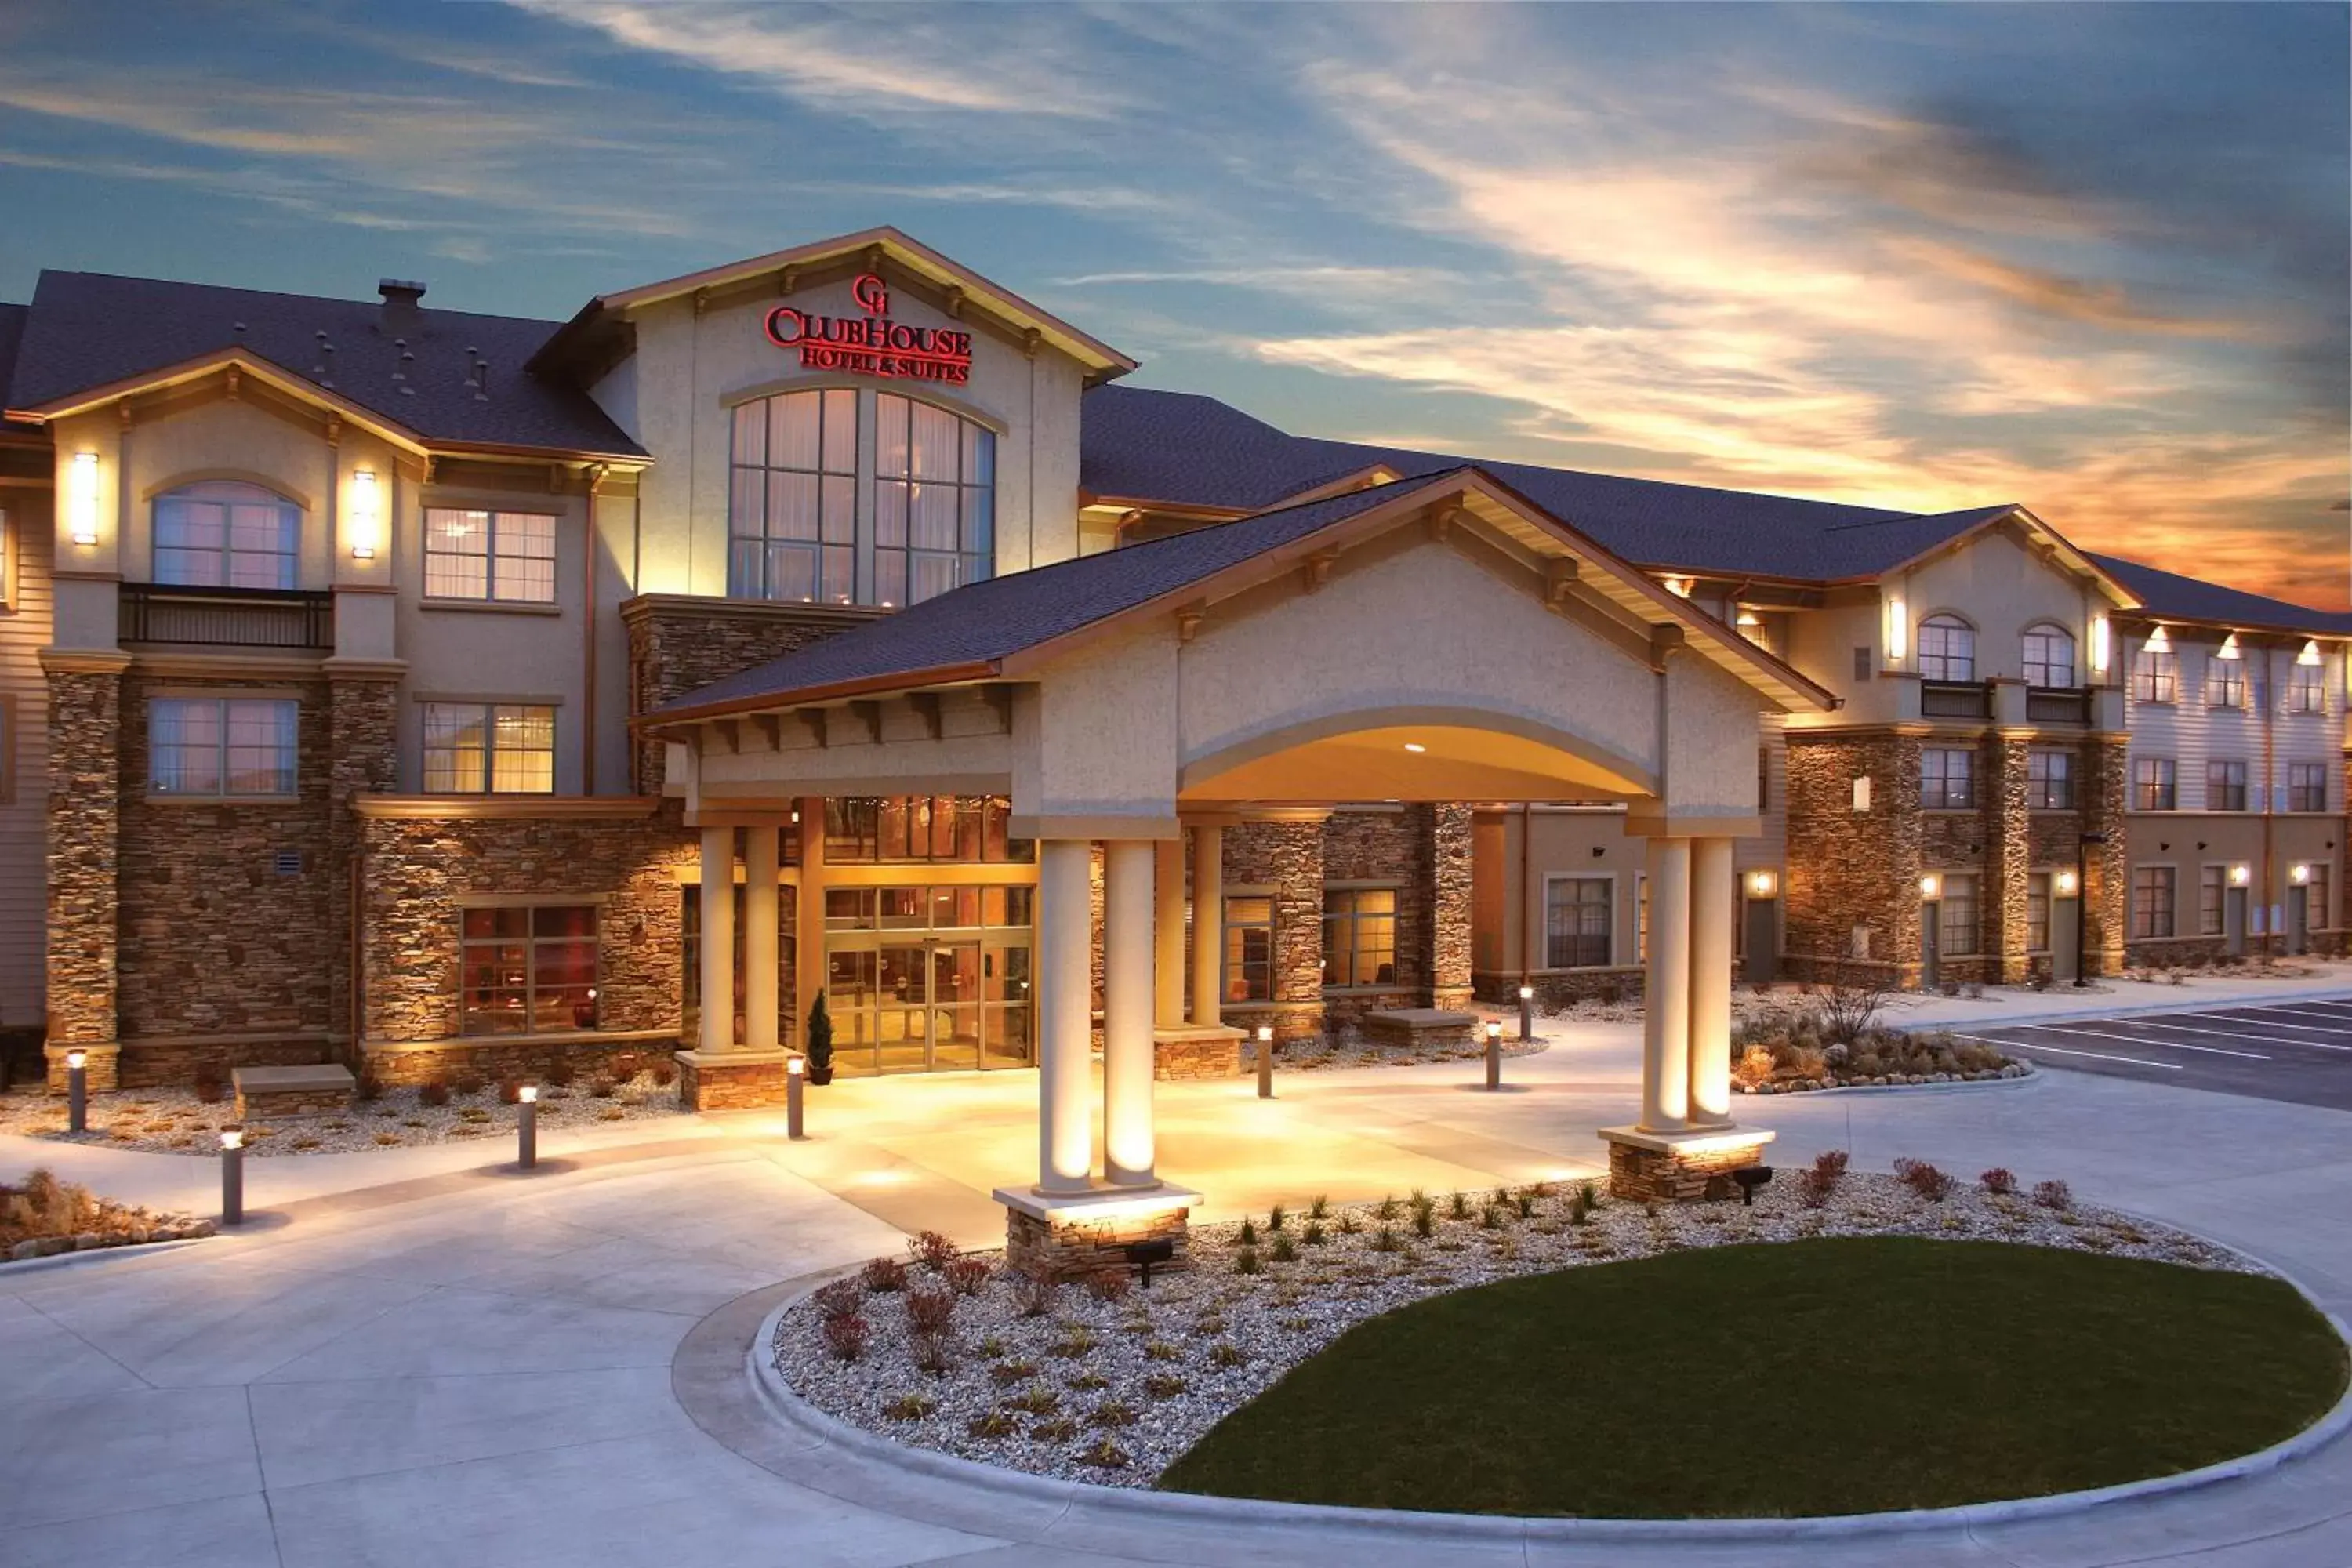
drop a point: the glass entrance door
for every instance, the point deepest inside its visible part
(928, 980)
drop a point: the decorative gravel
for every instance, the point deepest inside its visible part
(1113, 1390)
(174, 1121)
(1351, 1049)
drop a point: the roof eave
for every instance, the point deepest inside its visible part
(661, 718)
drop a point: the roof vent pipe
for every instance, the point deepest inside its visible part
(400, 311)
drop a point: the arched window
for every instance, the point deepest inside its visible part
(2049, 656)
(934, 501)
(792, 503)
(225, 533)
(1948, 648)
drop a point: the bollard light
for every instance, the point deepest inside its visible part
(232, 1175)
(527, 1127)
(77, 1092)
(1265, 1061)
(1527, 1014)
(795, 1079)
(1494, 1053)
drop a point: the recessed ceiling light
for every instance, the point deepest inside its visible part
(1414, 746)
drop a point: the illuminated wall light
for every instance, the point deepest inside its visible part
(1761, 884)
(2240, 874)
(1680, 587)
(2310, 654)
(2299, 874)
(2160, 641)
(1862, 793)
(2069, 883)
(1898, 629)
(2229, 648)
(83, 497)
(1930, 885)
(367, 514)
(2102, 645)
(1414, 746)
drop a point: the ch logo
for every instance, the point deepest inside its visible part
(872, 295)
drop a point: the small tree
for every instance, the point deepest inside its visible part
(1851, 1004)
(819, 1042)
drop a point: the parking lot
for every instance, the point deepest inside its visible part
(2299, 1051)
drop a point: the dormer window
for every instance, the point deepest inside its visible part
(225, 533)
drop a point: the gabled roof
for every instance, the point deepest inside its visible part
(972, 633)
(2167, 595)
(11, 333)
(905, 252)
(93, 335)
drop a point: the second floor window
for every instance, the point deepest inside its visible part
(2155, 675)
(2050, 781)
(2152, 784)
(791, 502)
(864, 829)
(934, 501)
(2225, 786)
(2048, 657)
(507, 557)
(2225, 683)
(224, 533)
(2306, 786)
(223, 747)
(1947, 649)
(489, 748)
(1360, 936)
(1946, 779)
(2306, 688)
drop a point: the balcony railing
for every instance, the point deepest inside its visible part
(1955, 699)
(2058, 704)
(228, 618)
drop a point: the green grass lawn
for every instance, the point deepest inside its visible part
(1814, 1377)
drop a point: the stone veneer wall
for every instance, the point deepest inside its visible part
(1387, 845)
(364, 758)
(1849, 867)
(2104, 793)
(85, 721)
(417, 872)
(214, 939)
(677, 644)
(1450, 919)
(1285, 858)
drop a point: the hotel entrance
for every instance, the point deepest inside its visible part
(929, 979)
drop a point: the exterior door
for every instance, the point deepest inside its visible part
(2066, 940)
(1931, 920)
(2298, 918)
(1762, 941)
(955, 1006)
(2233, 920)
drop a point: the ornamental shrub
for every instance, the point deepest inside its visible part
(1998, 1180)
(432, 1092)
(846, 1336)
(883, 1275)
(2052, 1195)
(932, 1249)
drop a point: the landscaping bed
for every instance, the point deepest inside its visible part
(1107, 1383)
(1348, 1049)
(185, 1121)
(41, 1217)
(1834, 1040)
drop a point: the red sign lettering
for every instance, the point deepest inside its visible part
(875, 346)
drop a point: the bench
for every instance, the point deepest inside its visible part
(264, 1094)
(1421, 1028)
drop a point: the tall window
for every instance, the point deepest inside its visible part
(1249, 949)
(2306, 786)
(1360, 936)
(2225, 682)
(934, 501)
(2307, 688)
(224, 746)
(528, 971)
(1947, 649)
(2050, 781)
(2314, 899)
(2049, 656)
(2152, 901)
(792, 501)
(1946, 778)
(922, 828)
(2152, 784)
(1577, 922)
(2225, 786)
(2155, 675)
(488, 748)
(2037, 912)
(224, 533)
(1958, 923)
(2210, 881)
(508, 557)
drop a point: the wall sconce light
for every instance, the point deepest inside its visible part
(367, 514)
(1862, 793)
(2229, 648)
(2102, 632)
(1680, 587)
(2300, 875)
(1898, 630)
(2160, 641)
(2069, 883)
(83, 498)
(1761, 884)
(2310, 654)
(2240, 874)
(1930, 885)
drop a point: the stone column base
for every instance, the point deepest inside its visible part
(1680, 1167)
(1069, 1237)
(102, 1070)
(1191, 1051)
(730, 1080)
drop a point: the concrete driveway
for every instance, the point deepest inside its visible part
(408, 1360)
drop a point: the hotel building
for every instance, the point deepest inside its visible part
(434, 692)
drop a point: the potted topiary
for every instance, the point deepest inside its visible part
(819, 1049)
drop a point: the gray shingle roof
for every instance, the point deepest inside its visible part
(2170, 594)
(1004, 616)
(12, 332)
(91, 329)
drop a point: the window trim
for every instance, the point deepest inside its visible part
(2026, 661)
(1610, 879)
(2049, 880)
(2307, 680)
(2131, 909)
(2161, 667)
(1945, 780)
(1944, 901)
(289, 508)
(220, 697)
(1945, 621)
(488, 707)
(1354, 919)
(2217, 684)
(858, 475)
(1226, 926)
(2034, 790)
(2244, 785)
(2169, 775)
(489, 597)
(593, 904)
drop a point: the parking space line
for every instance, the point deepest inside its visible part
(2315, 1045)
(2334, 1025)
(2237, 1034)
(2136, 1041)
(2062, 1051)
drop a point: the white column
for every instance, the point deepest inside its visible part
(761, 953)
(1208, 926)
(1712, 911)
(1064, 1023)
(1129, 959)
(1665, 1021)
(1167, 933)
(717, 939)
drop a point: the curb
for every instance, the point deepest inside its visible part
(1410, 1528)
(91, 1254)
(2032, 1075)
(2151, 1010)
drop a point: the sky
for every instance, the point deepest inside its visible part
(2089, 258)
